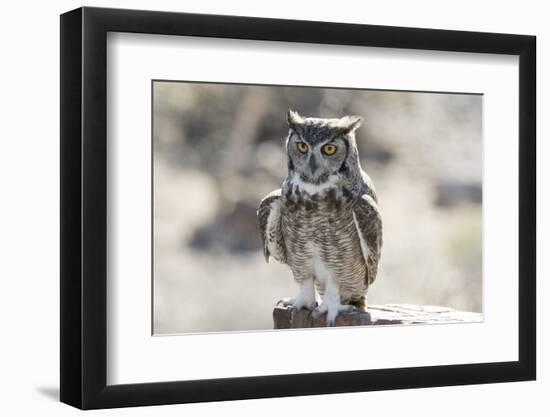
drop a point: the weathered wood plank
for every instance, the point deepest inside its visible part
(377, 315)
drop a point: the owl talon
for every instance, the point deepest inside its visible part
(293, 310)
(285, 302)
(348, 308)
(318, 311)
(330, 323)
(313, 306)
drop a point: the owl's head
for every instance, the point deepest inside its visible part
(318, 148)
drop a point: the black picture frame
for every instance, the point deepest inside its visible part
(84, 207)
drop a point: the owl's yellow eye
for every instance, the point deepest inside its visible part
(329, 149)
(302, 147)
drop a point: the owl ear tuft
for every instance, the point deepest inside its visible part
(294, 119)
(350, 124)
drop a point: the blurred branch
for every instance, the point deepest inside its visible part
(249, 115)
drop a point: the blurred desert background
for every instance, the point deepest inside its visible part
(219, 149)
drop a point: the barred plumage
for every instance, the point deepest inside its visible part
(324, 223)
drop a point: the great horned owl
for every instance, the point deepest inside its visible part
(324, 222)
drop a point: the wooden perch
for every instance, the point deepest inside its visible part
(377, 315)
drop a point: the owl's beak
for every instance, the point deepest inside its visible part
(313, 164)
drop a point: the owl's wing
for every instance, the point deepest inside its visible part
(269, 216)
(369, 228)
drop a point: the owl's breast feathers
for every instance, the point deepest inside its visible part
(335, 217)
(269, 216)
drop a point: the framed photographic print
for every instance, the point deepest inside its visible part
(386, 175)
